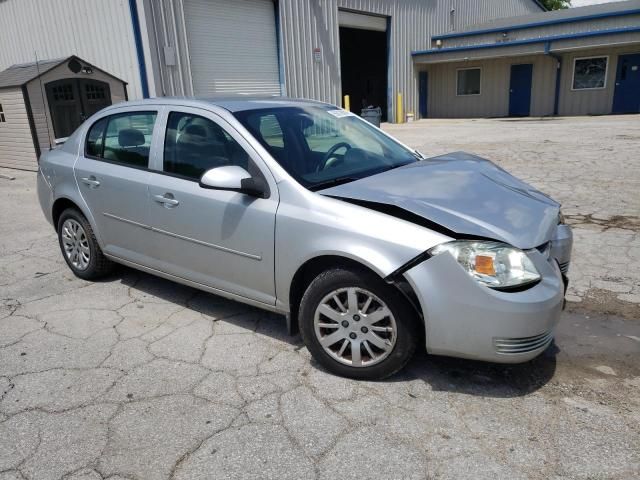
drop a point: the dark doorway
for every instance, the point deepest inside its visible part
(73, 100)
(423, 89)
(363, 67)
(520, 90)
(626, 97)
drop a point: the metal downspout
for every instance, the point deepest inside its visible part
(137, 37)
(558, 58)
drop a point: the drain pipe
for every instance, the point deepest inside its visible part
(558, 58)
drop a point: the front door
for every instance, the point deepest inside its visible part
(73, 100)
(222, 239)
(626, 98)
(113, 175)
(520, 90)
(423, 89)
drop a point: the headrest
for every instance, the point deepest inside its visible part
(130, 137)
(197, 130)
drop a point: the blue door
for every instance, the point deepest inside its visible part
(520, 90)
(626, 97)
(422, 94)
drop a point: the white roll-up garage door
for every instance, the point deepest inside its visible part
(232, 46)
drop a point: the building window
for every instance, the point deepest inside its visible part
(2, 117)
(468, 82)
(589, 73)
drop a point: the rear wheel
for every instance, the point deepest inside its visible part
(79, 246)
(357, 326)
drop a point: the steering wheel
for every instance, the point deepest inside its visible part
(326, 161)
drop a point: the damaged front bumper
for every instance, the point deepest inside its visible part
(466, 319)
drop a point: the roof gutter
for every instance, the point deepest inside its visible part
(541, 23)
(528, 41)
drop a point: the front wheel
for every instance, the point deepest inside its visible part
(357, 326)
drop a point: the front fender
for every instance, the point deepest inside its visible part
(317, 226)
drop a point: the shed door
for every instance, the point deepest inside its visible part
(65, 106)
(232, 46)
(73, 100)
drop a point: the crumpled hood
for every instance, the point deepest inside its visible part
(464, 194)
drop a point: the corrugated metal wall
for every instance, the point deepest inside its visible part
(99, 31)
(16, 143)
(493, 100)
(590, 102)
(309, 24)
(306, 24)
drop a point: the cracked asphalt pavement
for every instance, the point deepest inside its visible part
(136, 377)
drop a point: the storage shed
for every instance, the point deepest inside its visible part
(42, 102)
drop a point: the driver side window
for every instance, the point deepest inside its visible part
(194, 144)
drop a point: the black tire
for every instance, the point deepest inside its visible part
(98, 265)
(407, 323)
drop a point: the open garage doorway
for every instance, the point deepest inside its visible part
(364, 60)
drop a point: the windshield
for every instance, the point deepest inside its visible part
(323, 146)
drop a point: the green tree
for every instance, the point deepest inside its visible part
(556, 4)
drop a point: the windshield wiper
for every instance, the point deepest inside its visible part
(332, 183)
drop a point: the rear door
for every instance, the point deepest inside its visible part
(222, 239)
(113, 174)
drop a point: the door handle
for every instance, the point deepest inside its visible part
(91, 181)
(166, 200)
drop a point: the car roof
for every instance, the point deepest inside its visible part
(233, 104)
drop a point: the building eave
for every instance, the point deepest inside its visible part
(528, 41)
(541, 23)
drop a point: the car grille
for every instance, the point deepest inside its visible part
(512, 346)
(564, 267)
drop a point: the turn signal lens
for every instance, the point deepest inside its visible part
(494, 264)
(484, 265)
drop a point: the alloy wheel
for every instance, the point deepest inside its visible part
(75, 244)
(355, 327)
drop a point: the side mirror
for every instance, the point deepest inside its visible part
(235, 179)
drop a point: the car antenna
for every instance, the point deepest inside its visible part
(44, 105)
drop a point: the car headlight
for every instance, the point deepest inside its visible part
(494, 264)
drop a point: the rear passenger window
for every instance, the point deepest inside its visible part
(124, 138)
(95, 138)
(195, 144)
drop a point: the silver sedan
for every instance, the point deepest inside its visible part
(298, 207)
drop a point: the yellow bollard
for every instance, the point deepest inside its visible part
(399, 116)
(347, 103)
